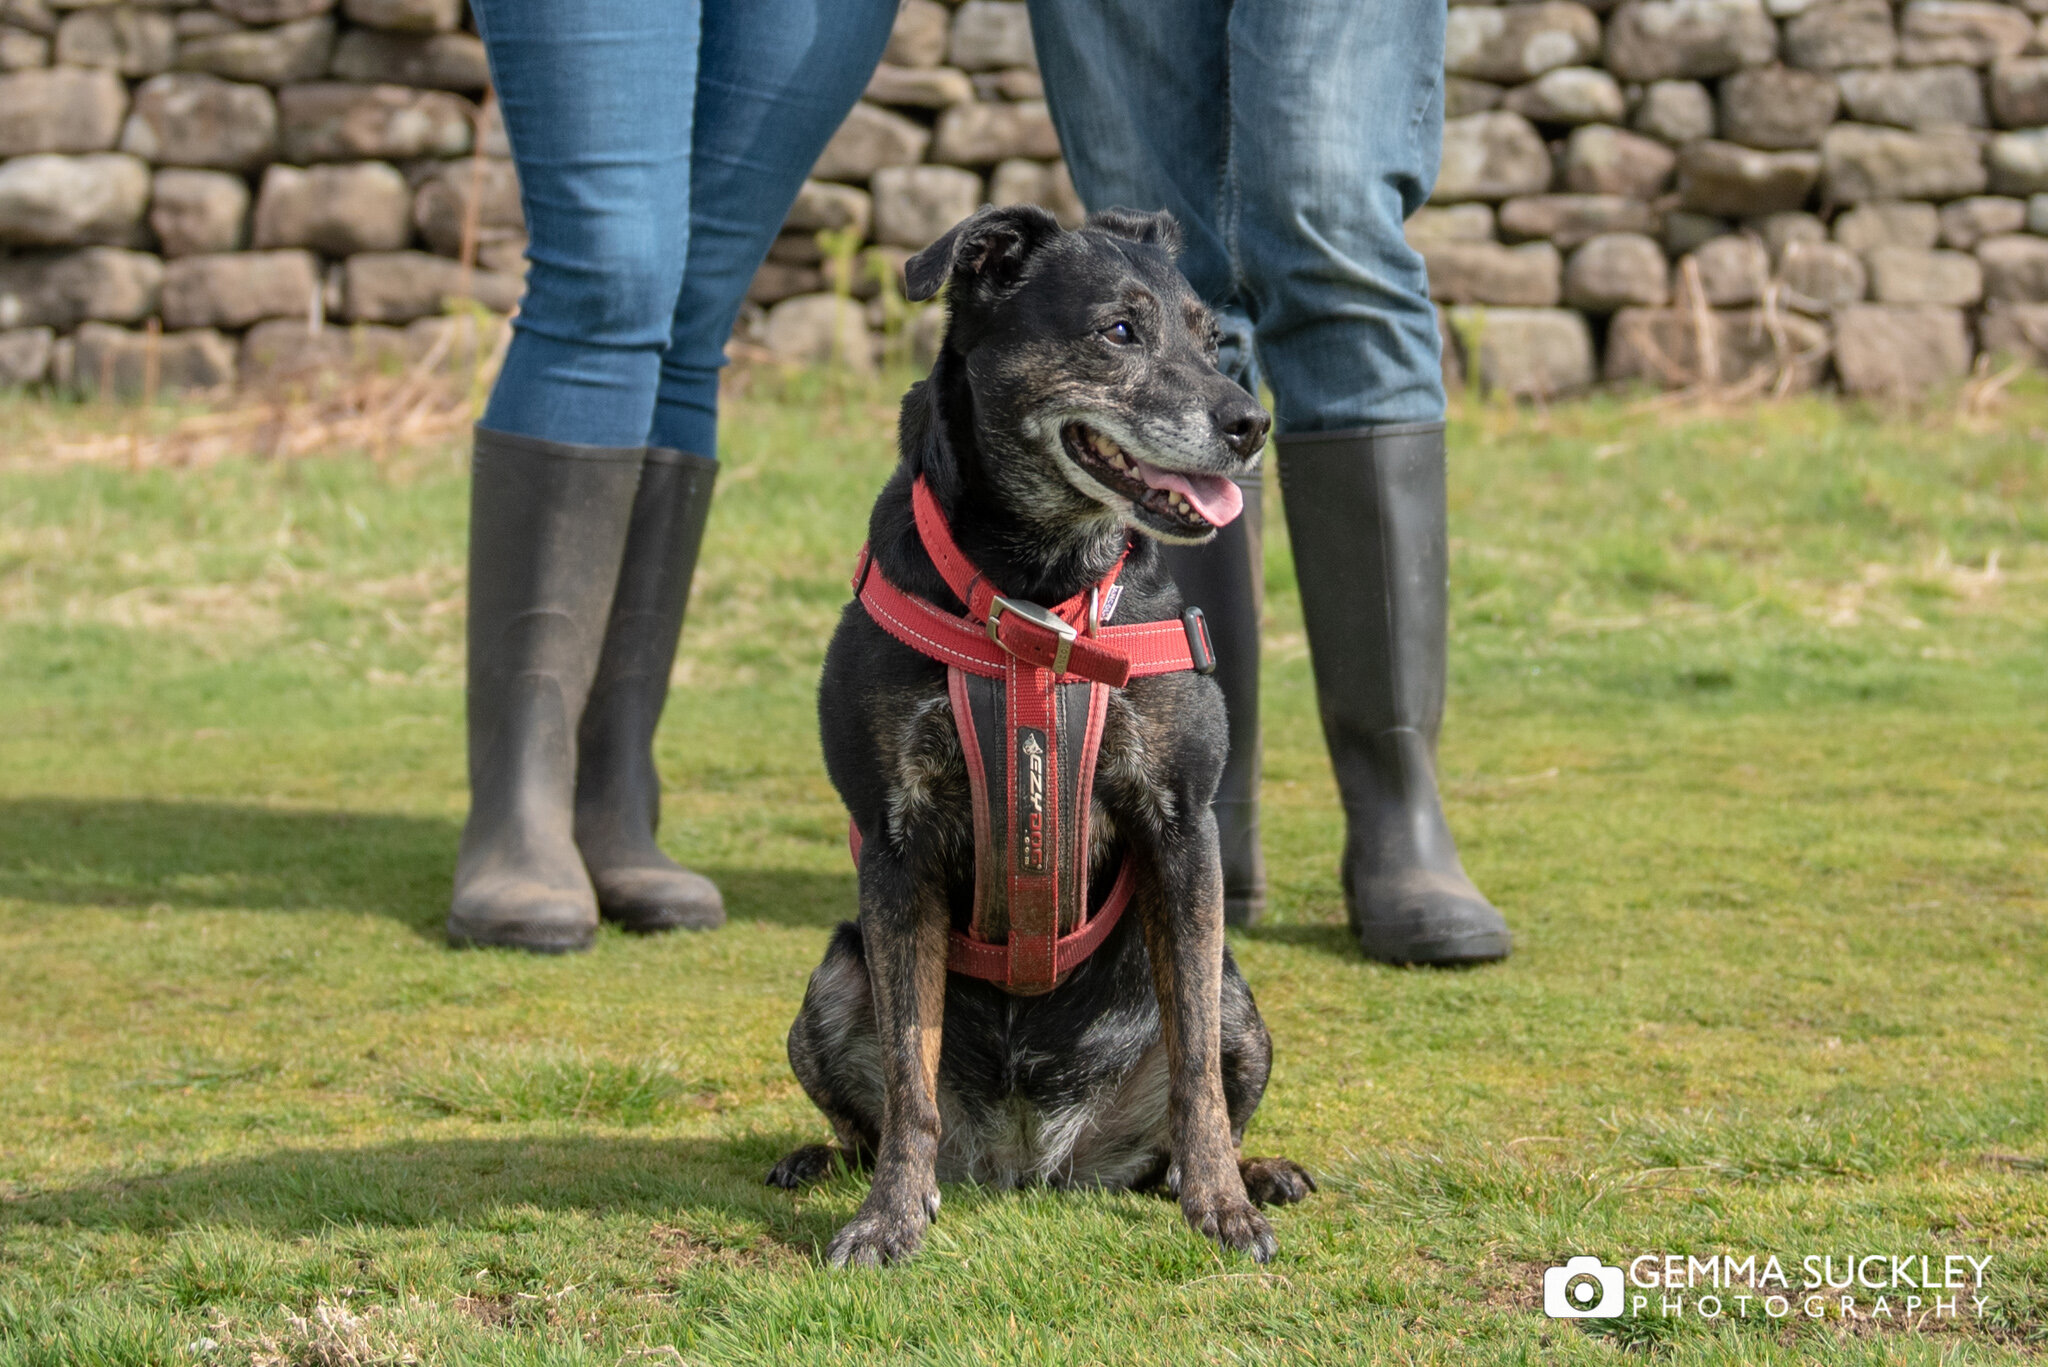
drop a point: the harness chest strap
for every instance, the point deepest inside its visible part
(1040, 689)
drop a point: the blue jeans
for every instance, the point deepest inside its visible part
(1291, 138)
(660, 144)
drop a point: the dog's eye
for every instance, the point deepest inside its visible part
(1121, 333)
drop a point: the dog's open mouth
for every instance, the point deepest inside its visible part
(1185, 502)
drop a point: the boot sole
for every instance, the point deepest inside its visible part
(505, 938)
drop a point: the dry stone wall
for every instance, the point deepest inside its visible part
(1794, 192)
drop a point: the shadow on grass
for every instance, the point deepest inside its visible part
(215, 855)
(471, 1182)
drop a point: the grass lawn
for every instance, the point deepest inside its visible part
(1748, 736)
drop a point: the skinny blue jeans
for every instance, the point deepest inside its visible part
(1291, 138)
(660, 144)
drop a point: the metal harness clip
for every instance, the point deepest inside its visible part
(1038, 617)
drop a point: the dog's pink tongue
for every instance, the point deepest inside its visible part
(1215, 497)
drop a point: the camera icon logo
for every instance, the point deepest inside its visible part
(1583, 1289)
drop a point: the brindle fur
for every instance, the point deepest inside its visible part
(1144, 1065)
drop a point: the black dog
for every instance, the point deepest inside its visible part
(1076, 398)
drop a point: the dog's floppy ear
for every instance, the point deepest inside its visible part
(992, 245)
(1159, 230)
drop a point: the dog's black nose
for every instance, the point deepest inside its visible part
(1244, 427)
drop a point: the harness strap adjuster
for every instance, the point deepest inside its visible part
(1036, 616)
(1200, 651)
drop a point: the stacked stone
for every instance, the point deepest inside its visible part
(954, 118)
(193, 191)
(1731, 186)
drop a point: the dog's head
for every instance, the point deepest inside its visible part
(1091, 366)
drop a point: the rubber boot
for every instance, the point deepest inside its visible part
(1226, 579)
(1365, 510)
(547, 529)
(618, 794)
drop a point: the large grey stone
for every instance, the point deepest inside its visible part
(921, 87)
(2019, 330)
(1733, 269)
(1663, 347)
(2037, 214)
(1677, 112)
(1819, 277)
(821, 204)
(1780, 230)
(20, 49)
(117, 363)
(337, 121)
(440, 206)
(1568, 220)
(198, 211)
(63, 289)
(134, 42)
(336, 210)
(918, 37)
(1603, 160)
(1616, 270)
(915, 204)
(1916, 97)
(1967, 222)
(984, 134)
(51, 200)
(1862, 162)
(1967, 31)
(1898, 350)
(407, 16)
(1464, 96)
(988, 34)
(1489, 273)
(2015, 268)
(63, 109)
(870, 139)
(775, 281)
(1901, 275)
(437, 61)
(1655, 40)
(1843, 33)
(1569, 95)
(235, 289)
(1526, 353)
(1723, 179)
(287, 350)
(272, 11)
(1686, 229)
(204, 23)
(2019, 162)
(1519, 42)
(2019, 92)
(1043, 183)
(1777, 107)
(1495, 155)
(191, 119)
(25, 356)
(1868, 227)
(280, 55)
(1434, 223)
(397, 287)
(819, 329)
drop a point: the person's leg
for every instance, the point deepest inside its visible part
(598, 102)
(1137, 94)
(774, 80)
(1337, 112)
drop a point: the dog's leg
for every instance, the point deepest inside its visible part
(903, 927)
(1183, 921)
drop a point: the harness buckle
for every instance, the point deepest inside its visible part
(1038, 617)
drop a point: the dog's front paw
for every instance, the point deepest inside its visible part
(806, 1164)
(1232, 1222)
(884, 1231)
(1275, 1181)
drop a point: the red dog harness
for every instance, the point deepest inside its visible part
(1030, 691)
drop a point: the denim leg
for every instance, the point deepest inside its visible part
(1336, 113)
(1140, 94)
(598, 98)
(774, 80)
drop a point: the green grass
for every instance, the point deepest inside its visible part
(1748, 735)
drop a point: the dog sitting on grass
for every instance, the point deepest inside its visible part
(993, 1017)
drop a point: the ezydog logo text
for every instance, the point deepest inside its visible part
(1860, 1286)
